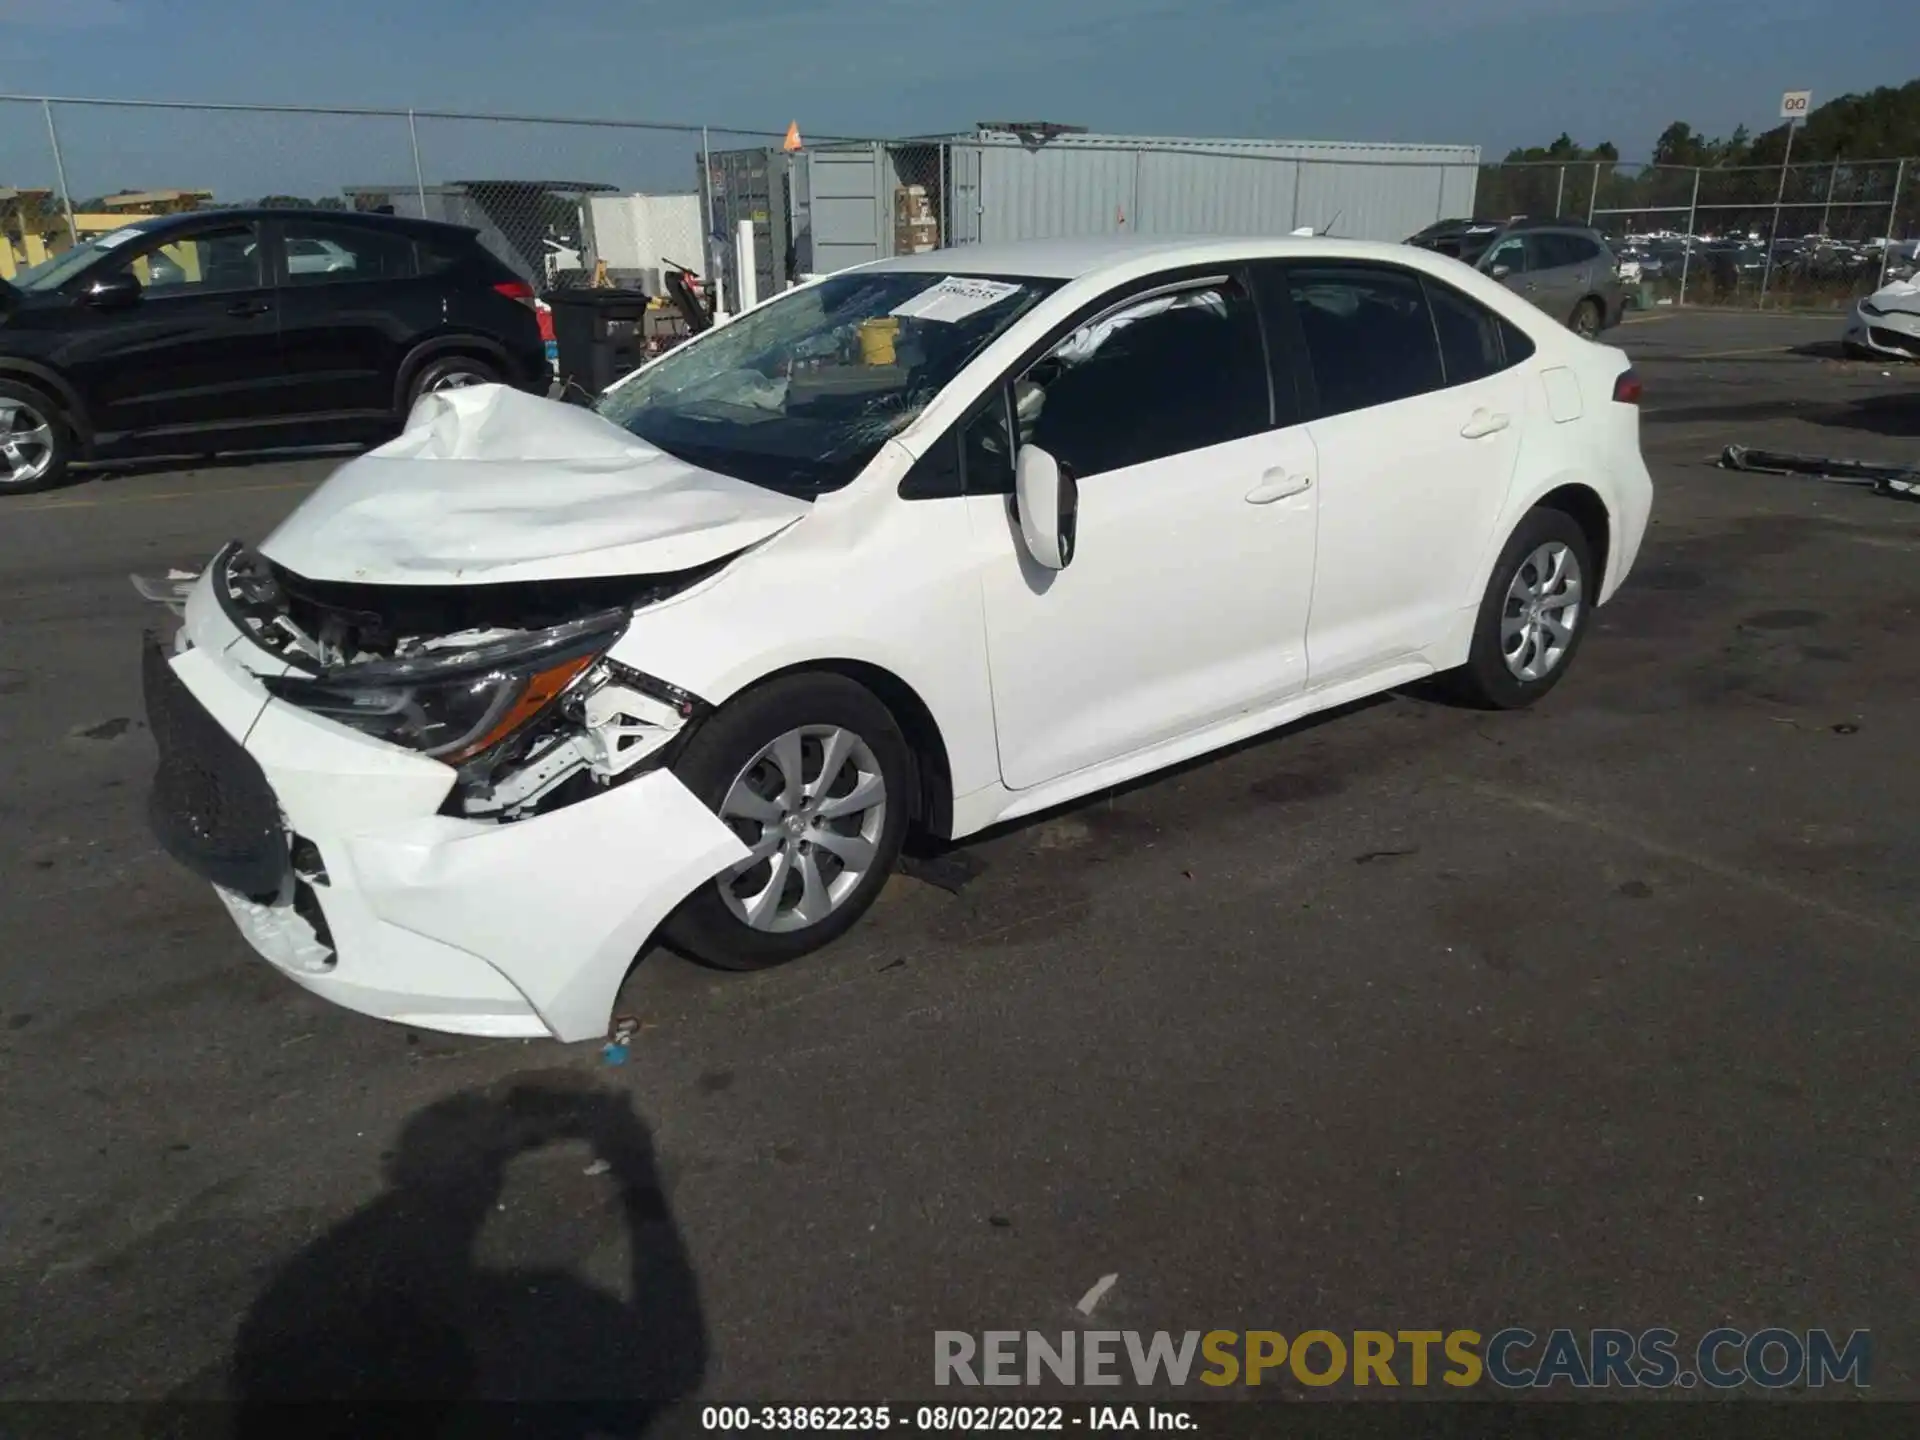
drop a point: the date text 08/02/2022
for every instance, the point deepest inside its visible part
(943, 1419)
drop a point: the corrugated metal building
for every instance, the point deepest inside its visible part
(846, 203)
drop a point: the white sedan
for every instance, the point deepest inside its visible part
(935, 542)
(1886, 323)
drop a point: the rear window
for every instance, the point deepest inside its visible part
(1369, 335)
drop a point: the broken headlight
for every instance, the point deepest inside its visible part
(455, 702)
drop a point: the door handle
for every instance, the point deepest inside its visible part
(246, 309)
(1278, 485)
(1483, 423)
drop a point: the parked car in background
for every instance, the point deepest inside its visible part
(244, 329)
(1562, 266)
(1886, 323)
(931, 543)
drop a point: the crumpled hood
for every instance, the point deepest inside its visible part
(1899, 297)
(489, 484)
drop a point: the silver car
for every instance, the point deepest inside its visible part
(1562, 266)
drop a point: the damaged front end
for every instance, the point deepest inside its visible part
(508, 684)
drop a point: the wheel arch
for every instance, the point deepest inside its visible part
(933, 773)
(1582, 503)
(480, 347)
(57, 388)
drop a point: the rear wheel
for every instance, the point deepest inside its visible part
(812, 774)
(1533, 615)
(35, 440)
(451, 372)
(1586, 318)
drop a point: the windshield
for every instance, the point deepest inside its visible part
(56, 270)
(798, 396)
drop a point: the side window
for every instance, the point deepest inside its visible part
(1161, 376)
(1471, 346)
(210, 260)
(322, 254)
(438, 256)
(986, 451)
(1368, 334)
(1511, 252)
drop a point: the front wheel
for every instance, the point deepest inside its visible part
(812, 774)
(35, 442)
(1533, 615)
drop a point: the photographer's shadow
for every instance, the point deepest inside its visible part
(390, 1316)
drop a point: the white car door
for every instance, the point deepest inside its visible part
(1416, 453)
(1186, 599)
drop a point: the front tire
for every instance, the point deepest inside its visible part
(812, 773)
(36, 442)
(1534, 614)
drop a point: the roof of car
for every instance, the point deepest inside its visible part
(160, 223)
(1093, 255)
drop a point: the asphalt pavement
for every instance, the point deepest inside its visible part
(1601, 1014)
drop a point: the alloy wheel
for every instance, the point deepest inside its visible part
(1543, 611)
(811, 807)
(26, 442)
(454, 380)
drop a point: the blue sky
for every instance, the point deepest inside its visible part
(1491, 72)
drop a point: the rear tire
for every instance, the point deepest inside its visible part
(1586, 320)
(451, 372)
(812, 773)
(1535, 612)
(36, 440)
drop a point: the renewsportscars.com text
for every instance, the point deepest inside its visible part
(1512, 1359)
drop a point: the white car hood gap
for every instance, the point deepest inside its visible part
(488, 484)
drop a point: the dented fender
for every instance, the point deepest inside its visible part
(559, 904)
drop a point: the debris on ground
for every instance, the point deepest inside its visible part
(614, 1052)
(1900, 481)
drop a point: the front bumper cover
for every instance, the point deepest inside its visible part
(522, 929)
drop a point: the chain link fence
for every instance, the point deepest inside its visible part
(1811, 233)
(571, 203)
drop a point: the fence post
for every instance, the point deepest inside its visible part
(419, 175)
(940, 230)
(1893, 221)
(1560, 195)
(1593, 195)
(1693, 224)
(1826, 213)
(60, 172)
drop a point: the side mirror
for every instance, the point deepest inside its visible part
(115, 292)
(1049, 506)
(1500, 272)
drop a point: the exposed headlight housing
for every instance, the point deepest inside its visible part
(1867, 307)
(455, 703)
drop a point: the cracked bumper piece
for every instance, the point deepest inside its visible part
(524, 929)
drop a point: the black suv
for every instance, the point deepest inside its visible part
(243, 329)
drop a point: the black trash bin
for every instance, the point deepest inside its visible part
(600, 335)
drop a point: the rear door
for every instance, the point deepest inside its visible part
(1415, 415)
(351, 302)
(198, 352)
(1561, 264)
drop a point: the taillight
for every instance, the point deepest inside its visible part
(516, 290)
(1627, 389)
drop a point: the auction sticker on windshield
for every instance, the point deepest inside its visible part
(118, 237)
(954, 299)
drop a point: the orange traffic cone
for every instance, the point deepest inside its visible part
(793, 138)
